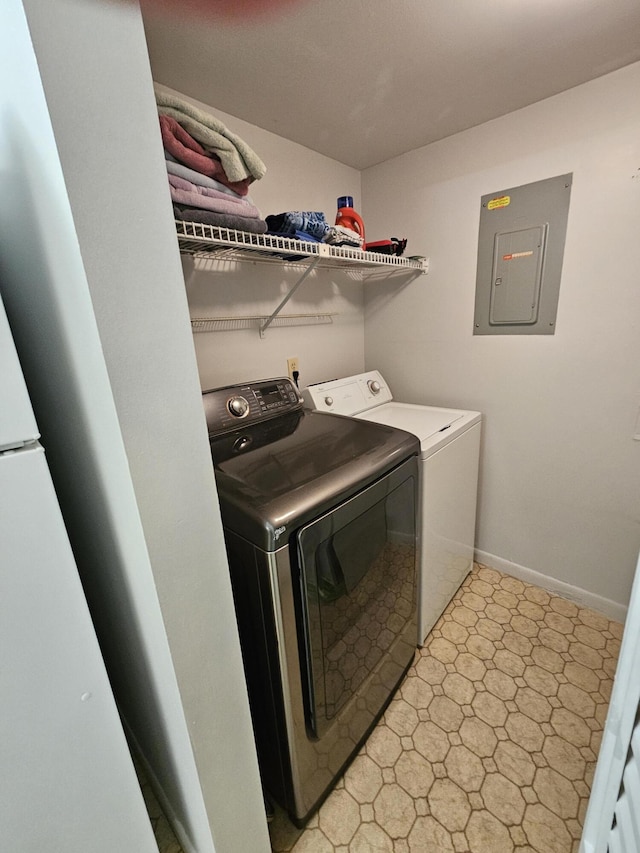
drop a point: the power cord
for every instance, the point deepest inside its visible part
(295, 374)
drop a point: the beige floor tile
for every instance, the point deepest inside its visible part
(490, 744)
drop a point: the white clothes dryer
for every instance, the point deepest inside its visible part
(450, 451)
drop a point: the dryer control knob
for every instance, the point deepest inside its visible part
(328, 401)
(374, 386)
(238, 406)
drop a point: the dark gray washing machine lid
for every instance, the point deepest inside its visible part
(274, 476)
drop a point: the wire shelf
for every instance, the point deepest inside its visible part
(211, 245)
(196, 238)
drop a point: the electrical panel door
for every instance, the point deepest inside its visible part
(517, 274)
(520, 251)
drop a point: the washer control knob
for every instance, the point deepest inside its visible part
(374, 386)
(328, 401)
(238, 407)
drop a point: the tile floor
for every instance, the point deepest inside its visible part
(490, 744)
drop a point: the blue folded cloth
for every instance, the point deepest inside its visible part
(305, 221)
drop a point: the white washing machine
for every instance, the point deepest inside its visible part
(450, 450)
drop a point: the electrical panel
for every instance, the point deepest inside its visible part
(520, 251)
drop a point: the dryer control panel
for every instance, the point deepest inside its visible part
(348, 396)
(240, 405)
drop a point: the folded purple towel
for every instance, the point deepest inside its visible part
(184, 192)
(182, 171)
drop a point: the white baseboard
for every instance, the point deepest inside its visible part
(611, 609)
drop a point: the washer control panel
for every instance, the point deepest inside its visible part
(348, 396)
(237, 406)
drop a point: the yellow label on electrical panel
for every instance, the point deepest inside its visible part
(503, 201)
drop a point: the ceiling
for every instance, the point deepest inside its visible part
(362, 81)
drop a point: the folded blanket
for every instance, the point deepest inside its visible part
(221, 220)
(311, 222)
(184, 192)
(182, 171)
(238, 159)
(187, 150)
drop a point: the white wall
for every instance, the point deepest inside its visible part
(560, 483)
(97, 81)
(296, 179)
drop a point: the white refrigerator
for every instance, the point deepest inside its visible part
(67, 781)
